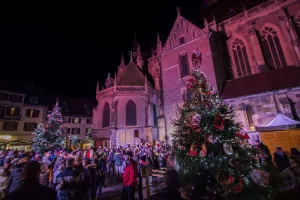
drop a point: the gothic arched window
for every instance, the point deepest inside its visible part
(240, 57)
(106, 115)
(154, 115)
(249, 118)
(130, 113)
(272, 49)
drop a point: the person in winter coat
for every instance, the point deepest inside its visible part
(63, 155)
(30, 188)
(281, 159)
(68, 181)
(61, 168)
(129, 178)
(110, 162)
(14, 181)
(170, 192)
(118, 160)
(3, 183)
(89, 179)
(290, 187)
(44, 175)
(101, 167)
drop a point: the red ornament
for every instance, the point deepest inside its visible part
(246, 136)
(219, 122)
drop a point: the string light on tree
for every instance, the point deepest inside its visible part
(53, 135)
(213, 154)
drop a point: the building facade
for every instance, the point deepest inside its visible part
(128, 105)
(77, 114)
(19, 116)
(251, 58)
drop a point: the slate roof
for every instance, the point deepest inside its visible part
(131, 75)
(263, 82)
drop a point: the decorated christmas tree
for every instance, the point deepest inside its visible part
(53, 135)
(75, 142)
(213, 157)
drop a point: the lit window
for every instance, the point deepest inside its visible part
(31, 113)
(76, 121)
(12, 111)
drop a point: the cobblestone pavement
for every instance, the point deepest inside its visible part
(113, 189)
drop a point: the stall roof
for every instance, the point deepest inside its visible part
(280, 122)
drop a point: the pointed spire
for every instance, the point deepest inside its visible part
(108, 75)
(131, 56)
(115, 82)
(214, 19)
(158, 45)
(97, 87)
(146, 83)
(178, 10)
(206, 25)
(122, 63)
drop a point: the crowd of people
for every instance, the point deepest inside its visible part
(79, 174)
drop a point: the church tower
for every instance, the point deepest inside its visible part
(137, 55)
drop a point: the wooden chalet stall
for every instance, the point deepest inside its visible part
(19, 145)
(281, 131)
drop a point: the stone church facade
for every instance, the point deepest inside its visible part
(252, 58)
(128, 106)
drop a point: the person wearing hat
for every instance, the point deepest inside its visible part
(281, 159)
(290, 186)
(14, 181)
(44, 174)
(30, 188)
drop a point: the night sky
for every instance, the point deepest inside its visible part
(66, 46)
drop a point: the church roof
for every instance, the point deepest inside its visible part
(131, 75)
(283, 78)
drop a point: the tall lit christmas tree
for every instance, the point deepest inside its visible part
(53, 135)
(214, 159)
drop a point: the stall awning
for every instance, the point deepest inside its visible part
(280, 122)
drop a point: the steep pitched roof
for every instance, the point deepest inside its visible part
(263, 82)
(177, 24)
(132, 75)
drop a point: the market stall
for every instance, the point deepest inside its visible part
(281, 131)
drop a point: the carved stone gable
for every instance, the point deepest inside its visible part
(182, 32)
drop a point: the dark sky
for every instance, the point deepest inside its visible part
(66, 46)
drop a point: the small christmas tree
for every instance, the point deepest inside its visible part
(53, 135)
(214, 159)
(75, 142)
(40, 144)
